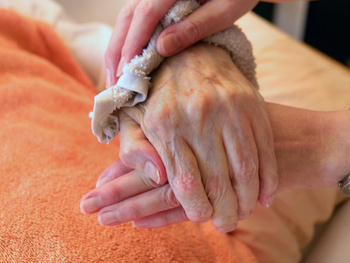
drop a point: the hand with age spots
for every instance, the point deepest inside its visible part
(211, 130)
(308, 156)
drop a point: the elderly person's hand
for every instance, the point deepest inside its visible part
(211, 130)
(308, 156)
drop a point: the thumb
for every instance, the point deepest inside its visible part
(212, 17)
(136, 151)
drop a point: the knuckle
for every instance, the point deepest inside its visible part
(194, 30)
(201, 215)
(127, 152)
(134, 211)
(246, 172)
(185, 184)
(114, 192)
(161, 121)
(144, 9)
(126, 13)
(158, 116)
(225, 11)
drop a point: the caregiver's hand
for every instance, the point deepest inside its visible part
(138, 19)
(211, 130)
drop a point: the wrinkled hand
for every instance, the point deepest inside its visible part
(211, 130)
(313, 159)
(138, 19)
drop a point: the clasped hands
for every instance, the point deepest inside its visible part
(200, 148)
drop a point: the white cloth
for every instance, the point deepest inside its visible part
(133, 85)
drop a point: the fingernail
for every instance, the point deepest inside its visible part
(91, 205)
(108, 78)
(227, 229)
(109, 218)
(103, 180)
(152, 171)
(170, 44)
(120, 67)
(269, 200)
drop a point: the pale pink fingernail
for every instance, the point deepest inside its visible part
(170, 44)
(109, 218)
(91, 205)
(227, 229)
(120, 67)
(152, 171)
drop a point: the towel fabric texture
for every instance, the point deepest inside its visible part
(49, 159)
(133, 85)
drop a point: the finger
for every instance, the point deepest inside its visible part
(113, 171)
(115, 191)
(180, 164)
(213, 167)
(162, 219)
(212, 17)
(148, 203)
(185, 180)
(116, 43)
(243, 161)
(268, 165)
(147, 15)
(137, 152)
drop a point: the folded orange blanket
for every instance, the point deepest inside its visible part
(49, 159)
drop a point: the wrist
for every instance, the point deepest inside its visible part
(311, 147)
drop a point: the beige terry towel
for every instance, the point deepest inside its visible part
(133, 85)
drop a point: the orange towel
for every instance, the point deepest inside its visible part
(49, 159)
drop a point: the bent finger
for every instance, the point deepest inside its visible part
(137, 152)
(268, 175)
(185, 180)
(243, 160)
(214, 170)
